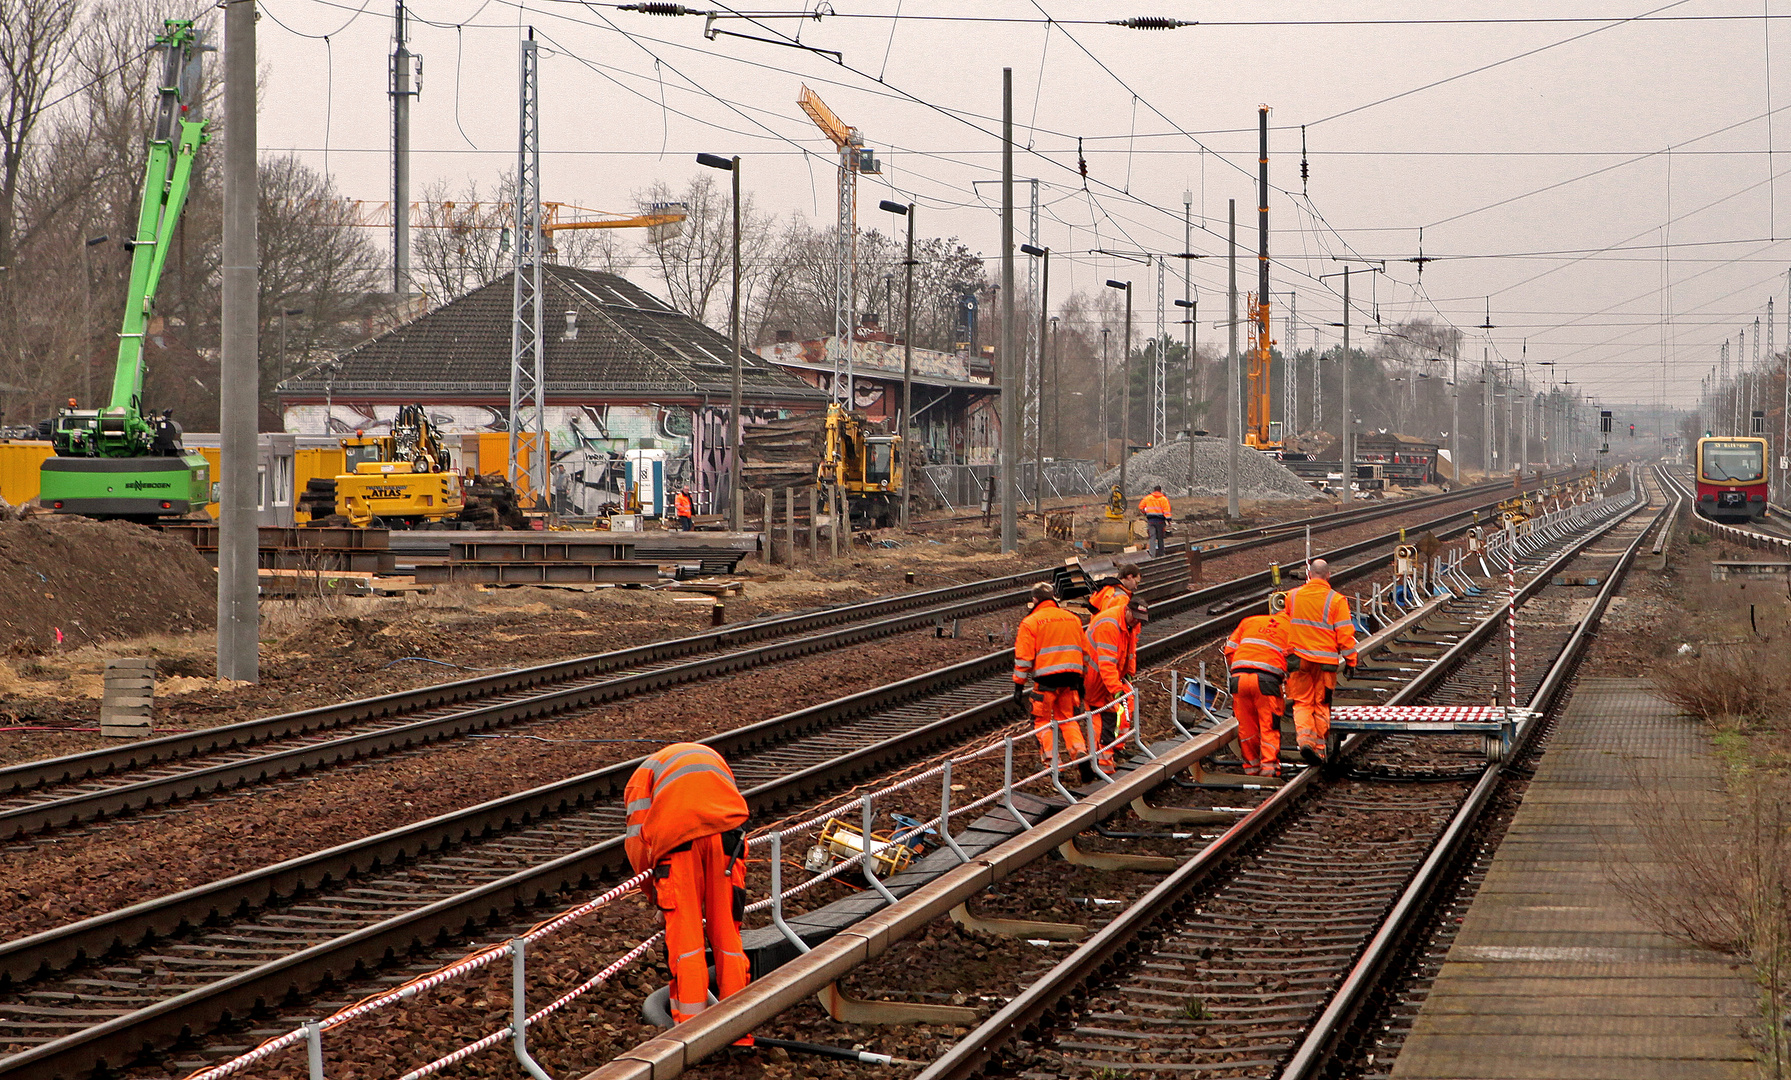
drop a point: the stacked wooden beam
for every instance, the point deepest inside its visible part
(783, 453)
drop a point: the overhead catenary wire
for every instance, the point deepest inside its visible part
(1098, 201)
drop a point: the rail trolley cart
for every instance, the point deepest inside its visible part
(1498, 723)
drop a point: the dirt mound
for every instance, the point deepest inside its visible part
(97, 581)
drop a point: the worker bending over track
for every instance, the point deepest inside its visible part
(1257, 651)
(1053, 651)
(1156, 511)
(1114, 635)
(1130, 580)
(685, 815)
(1321, 639)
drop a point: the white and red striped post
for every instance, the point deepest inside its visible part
(1511, 622)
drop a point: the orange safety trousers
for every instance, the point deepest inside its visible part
(1258, 716)
(1310, 692)
(695, 891)
(1058, 705)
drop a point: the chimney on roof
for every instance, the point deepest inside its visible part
(869, 320)
(571, 326)
(785, 336)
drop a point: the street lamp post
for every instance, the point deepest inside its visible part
(1193, 308)
(1125, 387)
(1347, 430)
(735, 421)
(1056, 396)
(907, 350)
(1038, 447)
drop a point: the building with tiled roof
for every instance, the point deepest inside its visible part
(625, 372)
(956, 404)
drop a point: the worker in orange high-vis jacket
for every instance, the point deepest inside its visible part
(685, 815)
(1321, 639)
(1114, 635)
(1257, 652)
(1130, 580)
(1155, 508)
(684, 509)
(1052, 650)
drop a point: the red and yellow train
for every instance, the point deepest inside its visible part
(1732, 478)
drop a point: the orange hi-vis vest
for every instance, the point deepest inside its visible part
(684, 791)
(682, 504)
(1154, 505)
(1319, 627)
(1050, 642)
(1108, 595)
(1259, 644)
(1115, 648)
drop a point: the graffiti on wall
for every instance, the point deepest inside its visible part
(588, 472)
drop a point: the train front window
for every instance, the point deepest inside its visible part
(1733, 463)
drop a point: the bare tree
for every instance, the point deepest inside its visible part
(463, 240)
(695, 261)
(35, 47)
(312, 260)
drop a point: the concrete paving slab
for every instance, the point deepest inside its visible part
(1553, 975)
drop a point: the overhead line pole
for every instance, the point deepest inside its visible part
(1010, 404)
(239, 615)
(401, 92)
(1348, 444)
(1233, 434)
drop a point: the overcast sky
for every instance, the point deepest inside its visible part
(1628, 279)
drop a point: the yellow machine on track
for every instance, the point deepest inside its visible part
(865, 469)
(401, 480)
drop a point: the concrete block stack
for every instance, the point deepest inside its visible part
(127, 709)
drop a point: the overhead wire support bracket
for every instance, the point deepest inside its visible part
(711, 31)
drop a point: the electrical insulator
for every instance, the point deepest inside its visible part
(1150, 22)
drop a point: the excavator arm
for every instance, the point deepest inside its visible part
(120, 429)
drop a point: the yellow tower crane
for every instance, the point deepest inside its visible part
(854, 159)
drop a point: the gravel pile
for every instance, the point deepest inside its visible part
(1259, 477)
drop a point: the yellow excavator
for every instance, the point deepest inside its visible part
(865, 469)
(401, 480)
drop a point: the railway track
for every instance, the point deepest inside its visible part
(100, 784)
(100, 991)
(1256, 955)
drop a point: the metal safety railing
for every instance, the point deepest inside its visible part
(1505, 550)
(310, 1034)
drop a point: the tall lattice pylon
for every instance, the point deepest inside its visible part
(854, 159)
(1159, 369)
(528, 377)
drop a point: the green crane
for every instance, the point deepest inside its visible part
(120, 462)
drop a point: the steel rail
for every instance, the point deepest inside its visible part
(143, 794)
(1028, 1011)
(21, 778)
(238, 772)
(123, 1037)
(18, 779)
(1331, 1030)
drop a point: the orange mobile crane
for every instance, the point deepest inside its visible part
(1259, 434)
